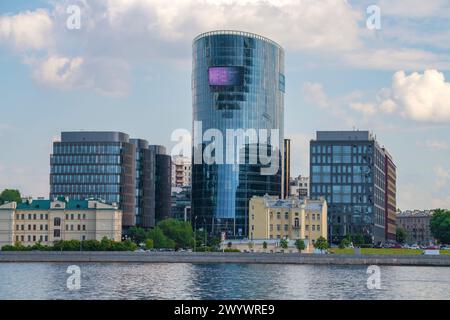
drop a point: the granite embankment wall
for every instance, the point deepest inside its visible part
(217, 257)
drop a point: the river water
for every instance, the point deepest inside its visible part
(220, 281)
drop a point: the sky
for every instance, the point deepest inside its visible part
(128, 68)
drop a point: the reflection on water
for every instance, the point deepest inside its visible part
(220, 281)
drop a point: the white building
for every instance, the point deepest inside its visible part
(299, 187)
(181, 171)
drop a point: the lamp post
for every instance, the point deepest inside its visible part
(195, 233)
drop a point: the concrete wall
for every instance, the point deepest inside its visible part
(217, 257)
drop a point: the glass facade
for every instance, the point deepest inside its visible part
(96, 165)
(347, 169)
(237, 83)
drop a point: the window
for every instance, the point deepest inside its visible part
(56, 233)
(278, 215)
(286, 216)
(318, 227)
(278, 227)
(296, 222)
(57, 222)
(84, 227)
(286, 227)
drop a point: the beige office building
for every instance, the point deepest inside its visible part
(292, 218)
(48, 221)
(181, 171)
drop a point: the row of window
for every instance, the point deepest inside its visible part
(85, 188)
(85, 169)
(355, 178)
(341, 158)
(78, 227)
(96, 178)
(21, 216)
(345, 149)
(86, 149)
(86, 159)
(286, 227)
(42, 227)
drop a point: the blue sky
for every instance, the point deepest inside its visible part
(128, 68)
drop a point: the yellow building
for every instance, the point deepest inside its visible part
(48, 221)
(292, 218)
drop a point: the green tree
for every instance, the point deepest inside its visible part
(284, 243)
(10, 195)
(178, 231)
(300, 245)
(149, 244)
(160, 240)
(401, 235)
(345, 243)
(321, 243)
(138, 235)
(440, 226)
(358, 240)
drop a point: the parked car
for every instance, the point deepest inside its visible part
(414, 246)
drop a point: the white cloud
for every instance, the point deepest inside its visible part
(442, 176)
(300, 152)
(27, 30)
(435, 145)
(314, 93)
(367, 109)
(414, 8)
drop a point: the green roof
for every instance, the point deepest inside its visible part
(45, 205)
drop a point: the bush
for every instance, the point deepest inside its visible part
(231, 250)
(160, 241)
(149, 244)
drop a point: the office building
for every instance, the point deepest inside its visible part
(98, 165)
(110, 166)
(390, 197)
(299, 187)
(348, 168)
(163, 182)
(287, 168)
(416, 223)
(237, 84)
(273, 218)
(181, 203)
(145, 184)
(46, 221)
(181, 171)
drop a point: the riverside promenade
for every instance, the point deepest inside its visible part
(218, 257)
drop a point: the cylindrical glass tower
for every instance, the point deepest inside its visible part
(237, 84)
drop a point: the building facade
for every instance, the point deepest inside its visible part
(348, 168)
(181, 203)
(416, 223)
(299, 187)
(98, 165)
(110, 166)
(390, 198)
(237, 84)
(273, 218)
(287, 168)
(163, 182)
(48, 221)
(181, 171)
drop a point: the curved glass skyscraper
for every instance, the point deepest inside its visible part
(237, 84)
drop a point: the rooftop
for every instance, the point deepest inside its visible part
(236, 33)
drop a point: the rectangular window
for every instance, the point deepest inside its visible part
(56, 233)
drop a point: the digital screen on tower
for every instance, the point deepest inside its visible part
(226, 76)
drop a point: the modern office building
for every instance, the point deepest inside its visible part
(181, 203)
(416, 223)
(287, 168)
(299, 187)
(163, 182)
(274, 218)
(237, 84)
(98, 165)
(145, 184)
(390, 197)
(47, 221)
(111, 167)
(348, 168)
(181, 171)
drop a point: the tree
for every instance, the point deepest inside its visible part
(138, 235)
(265, 245)
(300, 245)
(179, 231)
(284, 243)
(149, 244)
(440, 226)
(345, 243)
(160, 240)
(10, 195)
(321, 244)
(401, 235)
(358, 240)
